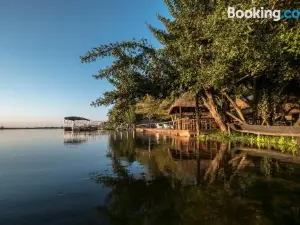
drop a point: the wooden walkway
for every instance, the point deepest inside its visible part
(288, 131)
(181, 133)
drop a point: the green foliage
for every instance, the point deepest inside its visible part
(129, 116)
(219, 54)
(290, 36)
(132, 72)
(283, 144)
(208, 54)
(264, 107)
(150, 107)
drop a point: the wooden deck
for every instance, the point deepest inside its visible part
(181, 127)
(288, 131)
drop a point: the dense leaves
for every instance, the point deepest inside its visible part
(216, 58)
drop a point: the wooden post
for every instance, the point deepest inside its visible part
(180, 114)
(197, 115)
(180, 150)
(149, 147)
(198, 177)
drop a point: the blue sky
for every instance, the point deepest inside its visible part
(41, 77)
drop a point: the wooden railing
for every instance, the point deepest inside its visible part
(82, 123)
(182, 124)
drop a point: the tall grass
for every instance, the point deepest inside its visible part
(284, 144)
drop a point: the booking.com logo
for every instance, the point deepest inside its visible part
(261, 13)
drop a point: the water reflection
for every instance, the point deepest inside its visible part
(77, 138)
(187, 182)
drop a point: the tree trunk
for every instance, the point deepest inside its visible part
(198, 177)
(254, 101)
(236, 107)
(180, 121)
(197, 115)
(210, 104)
(234, 117)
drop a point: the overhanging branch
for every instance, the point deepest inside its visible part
(234, 117)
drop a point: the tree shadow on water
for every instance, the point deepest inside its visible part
(229, 191)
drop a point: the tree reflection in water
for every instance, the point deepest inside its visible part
(226, 186)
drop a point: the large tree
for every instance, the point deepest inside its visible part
(216, 58)
(220, 58)
(253, 55)
(132, 72)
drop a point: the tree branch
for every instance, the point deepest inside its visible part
(234, 117)
(236, 107)
(297, 123)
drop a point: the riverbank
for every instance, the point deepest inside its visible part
(281, 143)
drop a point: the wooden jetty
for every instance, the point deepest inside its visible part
(288, 131)
(181, 133)
(180, 127)
(80, 124)
(184, 123)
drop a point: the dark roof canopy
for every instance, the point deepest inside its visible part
(73, 118)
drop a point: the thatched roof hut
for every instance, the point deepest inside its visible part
(187, 104)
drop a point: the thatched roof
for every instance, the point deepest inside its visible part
(242, 104)
(187, 103)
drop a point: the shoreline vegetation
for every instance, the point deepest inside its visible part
(216, 60)
(279, 143)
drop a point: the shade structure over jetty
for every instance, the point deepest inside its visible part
(74, 118)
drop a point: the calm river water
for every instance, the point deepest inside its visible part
(51, 177)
